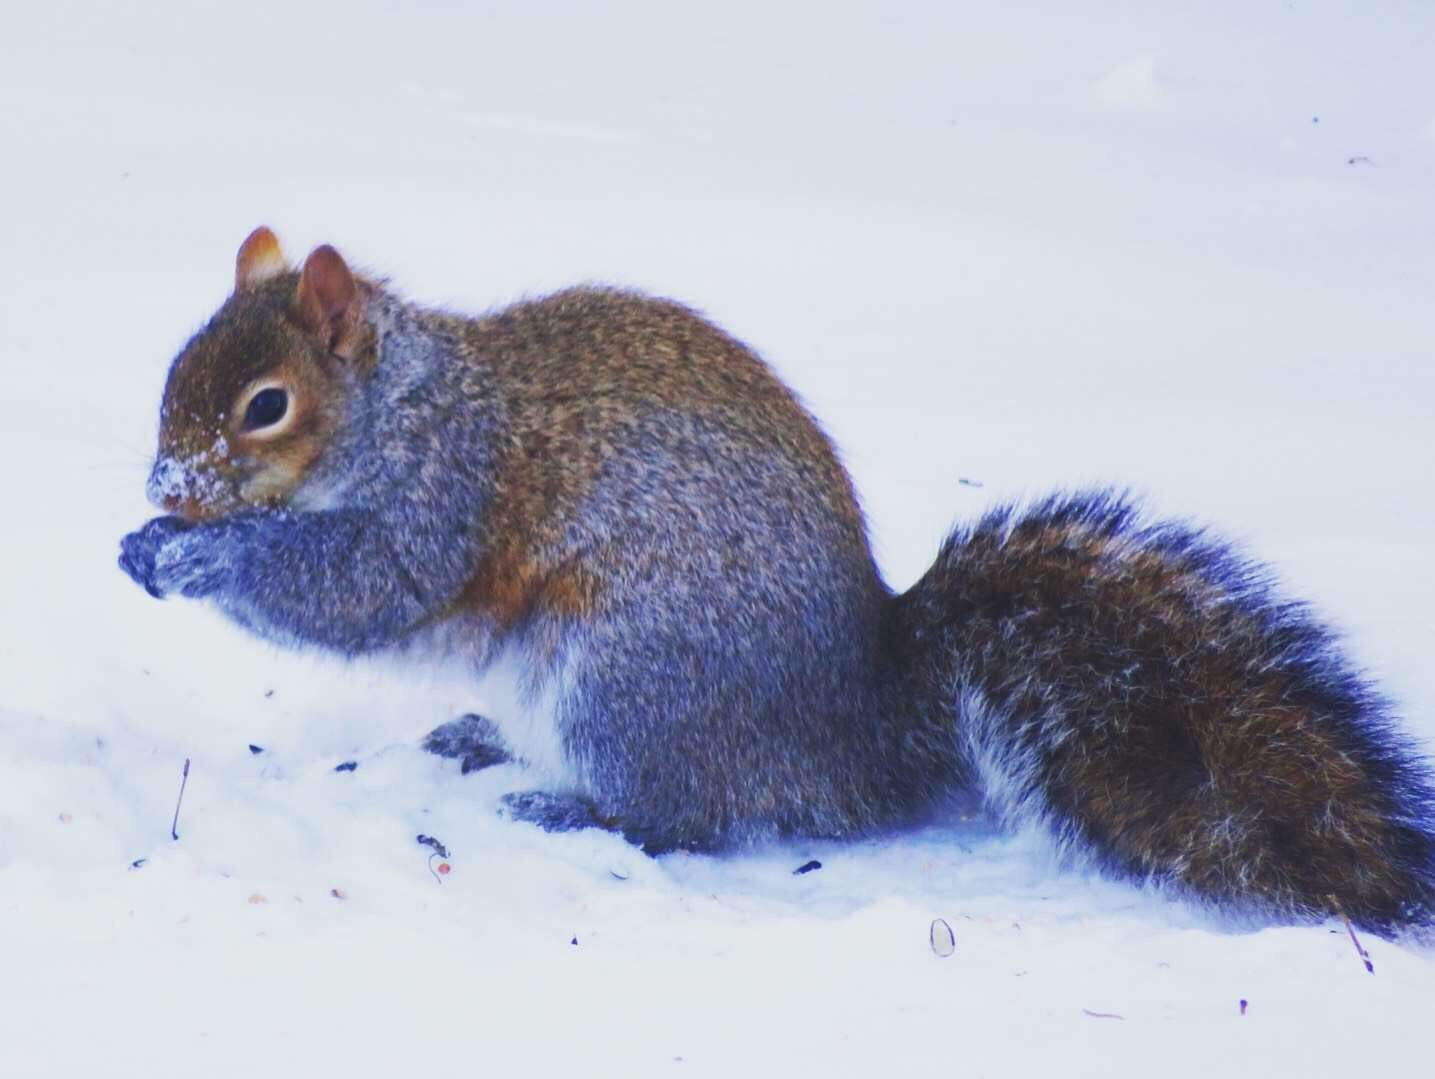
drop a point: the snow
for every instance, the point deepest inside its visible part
(1185, 249)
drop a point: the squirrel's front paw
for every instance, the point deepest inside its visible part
(139, 550)
(192, 563)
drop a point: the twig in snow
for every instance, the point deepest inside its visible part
(1359, 948)
(1103, 1015)
(183, 782)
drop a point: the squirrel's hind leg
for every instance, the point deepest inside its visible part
(472, 739)
(552, 812)
(570, 813)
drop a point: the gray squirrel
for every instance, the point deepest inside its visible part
(612, 495)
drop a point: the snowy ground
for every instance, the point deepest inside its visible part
(1007, 243)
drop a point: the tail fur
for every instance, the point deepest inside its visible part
(1142, 692)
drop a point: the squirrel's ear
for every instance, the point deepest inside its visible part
(258, 260)
(327, 303)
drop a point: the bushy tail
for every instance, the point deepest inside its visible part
(1141, 691)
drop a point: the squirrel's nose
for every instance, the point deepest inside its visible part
(173, 488)
(168, 484)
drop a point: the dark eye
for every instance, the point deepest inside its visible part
(266, 408)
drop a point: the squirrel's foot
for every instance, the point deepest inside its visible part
(552, 812)
(472, 739)
(568, 813)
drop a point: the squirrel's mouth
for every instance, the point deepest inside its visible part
(187, 489)
(188, 509)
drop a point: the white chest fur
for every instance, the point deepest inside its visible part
(523, 703)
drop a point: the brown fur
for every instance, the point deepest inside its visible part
(576, 370)
(259, 258)
(505, 590)
(242, 345)
(1175, 732)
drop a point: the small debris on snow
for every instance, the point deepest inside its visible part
(574, 942)
(1103, 1015)
(268, 693)
(338, 893)
(347, 766)
(1349, 928)
(807, 867)
(138, 863)
(65, 818)
(618, 874)
(943, 940)
(1243, 1006)
(432, 843)
(439, 851)
(256, 750)
(183, 782)
(965, 482)
(1359, 948)
(257, 898)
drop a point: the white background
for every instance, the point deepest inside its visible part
(1186, 248)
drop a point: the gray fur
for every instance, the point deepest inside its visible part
(679, 570)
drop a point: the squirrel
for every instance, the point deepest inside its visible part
(626, 506)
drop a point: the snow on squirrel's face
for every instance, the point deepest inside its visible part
(253, 398)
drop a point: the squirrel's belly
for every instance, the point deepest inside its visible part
(522, 700)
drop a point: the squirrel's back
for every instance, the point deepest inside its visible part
(626, 416)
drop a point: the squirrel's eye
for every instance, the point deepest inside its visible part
(266, 408)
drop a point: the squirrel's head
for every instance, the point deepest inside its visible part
(254, 397)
